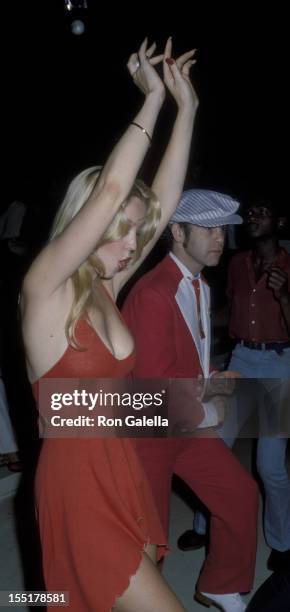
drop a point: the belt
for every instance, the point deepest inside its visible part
(265, 346)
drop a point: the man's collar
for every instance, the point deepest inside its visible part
(280, 257)
(184, 270)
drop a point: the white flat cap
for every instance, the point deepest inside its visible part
(206, 208)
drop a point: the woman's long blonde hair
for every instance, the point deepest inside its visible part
(83, 279)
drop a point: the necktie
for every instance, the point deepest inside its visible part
(196, 286)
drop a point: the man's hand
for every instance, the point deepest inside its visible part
(220, 383)
(221, 404)
(278, 282)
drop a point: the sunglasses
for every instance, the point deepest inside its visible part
(260, 211)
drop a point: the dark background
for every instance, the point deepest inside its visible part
(67, 98)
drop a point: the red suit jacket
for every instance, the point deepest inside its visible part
(160, 312)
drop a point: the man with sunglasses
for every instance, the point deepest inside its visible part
(258, 290)
(259, 300)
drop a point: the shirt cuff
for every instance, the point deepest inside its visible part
(210, 416)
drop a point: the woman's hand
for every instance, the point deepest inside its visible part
(176, 77)
(141, 67)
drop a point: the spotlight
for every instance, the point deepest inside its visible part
(70, 5)
(75, 10)
(77, 27)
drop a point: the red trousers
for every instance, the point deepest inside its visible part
(210, 469)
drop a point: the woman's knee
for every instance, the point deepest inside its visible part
(148, 591)
(151, 551)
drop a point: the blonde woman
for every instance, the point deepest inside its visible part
(99, 528)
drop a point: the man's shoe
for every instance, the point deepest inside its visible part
(191, 540)
(278, 560)
(229, 602)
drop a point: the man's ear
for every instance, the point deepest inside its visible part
(177, 232)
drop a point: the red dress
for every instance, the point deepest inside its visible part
(94, 504)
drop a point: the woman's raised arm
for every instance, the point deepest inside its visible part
(66, 252)
(169, 179)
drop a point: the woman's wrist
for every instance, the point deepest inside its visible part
(148, 114)
(185, 118)
(187, 108)
(156, 97)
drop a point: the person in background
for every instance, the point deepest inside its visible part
(8, 447)
(274, 594)
(10, 228)
(259, 322)
(259, 298)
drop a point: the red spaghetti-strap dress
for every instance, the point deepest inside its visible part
(94, 504)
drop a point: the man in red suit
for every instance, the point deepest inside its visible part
(168, 314)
